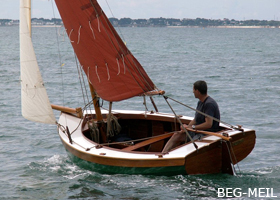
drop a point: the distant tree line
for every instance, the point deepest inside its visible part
(200, 22)
(34, 21)
(159, 22)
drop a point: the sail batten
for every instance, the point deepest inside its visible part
(110, 67)
(35, 103)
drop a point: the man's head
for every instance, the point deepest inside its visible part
(201, 87)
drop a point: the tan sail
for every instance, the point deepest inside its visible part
(34, 99)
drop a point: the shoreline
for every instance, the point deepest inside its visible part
(249, 27)
(241, 27)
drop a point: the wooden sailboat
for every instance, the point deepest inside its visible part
(119, 141)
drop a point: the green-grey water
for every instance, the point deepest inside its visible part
(241, 67)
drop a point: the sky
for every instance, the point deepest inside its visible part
(145, 9)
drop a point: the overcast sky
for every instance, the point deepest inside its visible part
(135, 9)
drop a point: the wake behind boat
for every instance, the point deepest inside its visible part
(120, 141)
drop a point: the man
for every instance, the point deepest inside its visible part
(206, 105)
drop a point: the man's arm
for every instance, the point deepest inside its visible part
(193, 122)
(206, 125)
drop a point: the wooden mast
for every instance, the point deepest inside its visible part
(99, 118)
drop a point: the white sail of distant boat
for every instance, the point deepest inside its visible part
(34, 99)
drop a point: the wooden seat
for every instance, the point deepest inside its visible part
(148, 142)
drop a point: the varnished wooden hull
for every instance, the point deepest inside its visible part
(124, 166)
(207, 160)
(212, 155)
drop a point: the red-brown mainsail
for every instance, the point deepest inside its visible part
(110, 67)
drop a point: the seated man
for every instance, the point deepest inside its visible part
(206, 105)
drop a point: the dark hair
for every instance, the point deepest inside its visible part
(201, 86)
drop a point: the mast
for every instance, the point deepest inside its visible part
(94, 96)
(99, 118)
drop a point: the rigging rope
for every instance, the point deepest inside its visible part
(60, 59)
(79, 74)
(115, 127)
(231, 150)
(185, 130)
(84, 85)
(220, 121)
(119, 30)
(59, 55)
(145, 103)
(94, 131)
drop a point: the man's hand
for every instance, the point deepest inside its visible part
(186, 127)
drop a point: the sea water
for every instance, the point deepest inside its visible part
(241, 67)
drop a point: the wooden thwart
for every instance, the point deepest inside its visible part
(147, 142)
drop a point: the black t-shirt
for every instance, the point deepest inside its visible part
(210, 107)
